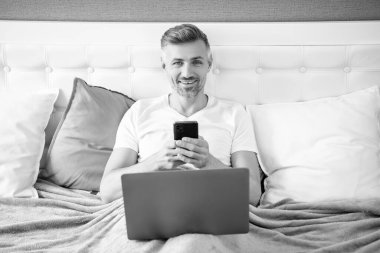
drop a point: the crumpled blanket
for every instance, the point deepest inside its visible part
(64, 220)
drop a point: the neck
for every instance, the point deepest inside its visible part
(187, 106)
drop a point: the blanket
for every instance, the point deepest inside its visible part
(64, 220)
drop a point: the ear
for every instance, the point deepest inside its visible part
(210, 60)
(162, 61)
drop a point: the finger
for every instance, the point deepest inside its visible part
(187, 167)
(186, 159)
(170, 165)
(189, 154)
(173, 158)
(199, 142)
(174, 164)
(190, 140)
(197, 163)
(171, 152)
(187, 145)
(171, 144)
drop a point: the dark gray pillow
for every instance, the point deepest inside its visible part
(85, 137)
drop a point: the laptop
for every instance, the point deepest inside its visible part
(164, 204)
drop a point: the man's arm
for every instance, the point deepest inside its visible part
(248, 159)
(124, 160)
(243, 159)
(121, 160)
(196, 152)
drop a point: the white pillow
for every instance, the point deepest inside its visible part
(23, 118)
(320, 150)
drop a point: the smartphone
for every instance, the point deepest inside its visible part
(185, 129)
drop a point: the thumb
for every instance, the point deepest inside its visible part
(171, 144)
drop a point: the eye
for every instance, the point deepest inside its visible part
(198, 62)
(177, 63)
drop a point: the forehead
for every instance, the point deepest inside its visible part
(186, 50)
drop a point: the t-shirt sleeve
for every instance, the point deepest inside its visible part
(126, 136)
(244, 137)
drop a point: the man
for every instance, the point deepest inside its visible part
(144, 141)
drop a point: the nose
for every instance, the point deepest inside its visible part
(186, 71)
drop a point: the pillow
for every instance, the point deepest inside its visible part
(85, 136)
(23, 118)
(320, 150)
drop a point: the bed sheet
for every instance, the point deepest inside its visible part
(62, 220)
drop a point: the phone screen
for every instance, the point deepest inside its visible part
(185, 129)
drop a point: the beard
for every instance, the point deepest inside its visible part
(190, 91)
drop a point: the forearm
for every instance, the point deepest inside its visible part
(254, 191)
(110, 186)
(254, 187)
(125, 160)
(214, 163)
(248, 159)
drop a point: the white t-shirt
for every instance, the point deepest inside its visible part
(148, 125)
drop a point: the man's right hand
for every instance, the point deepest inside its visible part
(165, 159)
(124, 160)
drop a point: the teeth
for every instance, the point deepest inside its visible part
(187, 82)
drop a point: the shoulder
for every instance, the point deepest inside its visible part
(228, 105)
(146, 103)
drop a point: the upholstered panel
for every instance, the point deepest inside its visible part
(258, 63)
(255, 74)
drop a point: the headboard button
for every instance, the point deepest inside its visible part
(303, 69)
(7, 69)
(48, 69)
(131, 69)
(216, 71)
(90, 70)
(259, 71)
(347, 69)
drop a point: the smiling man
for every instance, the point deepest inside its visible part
(144, 140)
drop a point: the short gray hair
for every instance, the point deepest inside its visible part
(182, 34)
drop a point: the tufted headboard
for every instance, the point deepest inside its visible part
(253, 62)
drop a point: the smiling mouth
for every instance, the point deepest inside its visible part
(187, 82)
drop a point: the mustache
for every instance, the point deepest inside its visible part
(187, 79)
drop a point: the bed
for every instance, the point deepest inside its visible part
(66, 85)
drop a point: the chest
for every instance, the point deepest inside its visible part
(155, 131)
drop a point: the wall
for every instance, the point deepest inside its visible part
(190, 11)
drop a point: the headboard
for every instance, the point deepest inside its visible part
(254, 63)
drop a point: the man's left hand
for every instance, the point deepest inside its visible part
(193, 151)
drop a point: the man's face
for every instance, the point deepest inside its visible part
(187, 66)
